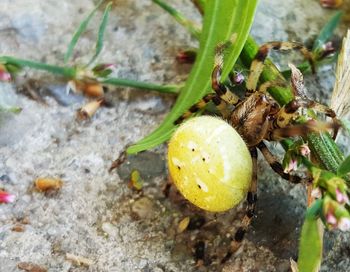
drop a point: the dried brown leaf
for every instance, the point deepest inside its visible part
(31, 267)
(340, 101)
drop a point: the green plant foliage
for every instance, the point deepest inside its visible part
(101, 32)
(82, 27)
(325, 150)
(344, 168)
(21, 63)
(327, 31)
(189, 25)
(311, 241)
(221, 20)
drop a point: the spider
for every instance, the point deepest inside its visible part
(257, 118)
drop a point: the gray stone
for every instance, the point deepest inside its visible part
(93, 215)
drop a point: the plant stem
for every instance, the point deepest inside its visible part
(172, 89)
(70, 73)
(322, 145)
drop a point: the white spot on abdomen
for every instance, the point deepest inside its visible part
(202, 185)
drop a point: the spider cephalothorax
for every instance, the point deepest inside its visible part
(253, 117)
(257, 118)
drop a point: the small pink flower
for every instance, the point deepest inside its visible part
(6, 197)
(188, 56)
(238, 78)
(344, 224)
(331, 219)
(331, 3)
(341, 197)
(5, 76)
(292, 166)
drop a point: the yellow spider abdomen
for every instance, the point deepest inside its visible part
(210, 163)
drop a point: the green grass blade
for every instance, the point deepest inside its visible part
(63, 71)
(101, 32)
(78, 33)
(188, 24)
(327, 31)
(311, 241)
(221, 19)
(171, 89)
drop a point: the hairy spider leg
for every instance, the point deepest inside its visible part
(311, 126)
(257, 64)
(252, 194)
(302, 100)
(220, 104)
(268, 84)
(250, 210)
(289, 111)
(222, 96)
(276, 165)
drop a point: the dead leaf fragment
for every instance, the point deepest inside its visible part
(31, 267)
(48, 184)
(78, 260)
(183, 225)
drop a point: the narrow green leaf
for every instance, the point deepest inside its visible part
(188, 24)
(344, 168)
(325, 150)
(21, 63)
(172, 89)
(311, 241)
(327, 31)
(78, 33)
(221, 19)
(101, 31)
(282, 95)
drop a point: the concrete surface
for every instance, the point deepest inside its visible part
(95, 215)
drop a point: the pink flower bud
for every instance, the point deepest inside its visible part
(331, 219)
(6, 197)
(341, 197)
(331, 3)
(238, 78)
(292, 166)
(188, 56)
(5, 76)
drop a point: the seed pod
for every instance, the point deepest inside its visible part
(88, 110)
(88, 88)
(47, 184)
(331, 3)
(210, 163)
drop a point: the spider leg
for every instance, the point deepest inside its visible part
(275, 165)
(288, 112)
(249, 214)
(311, 126)
(220, 104)
(301, 99)
(257, 64)
(220, 89)
(264, 86)
(222, 96)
